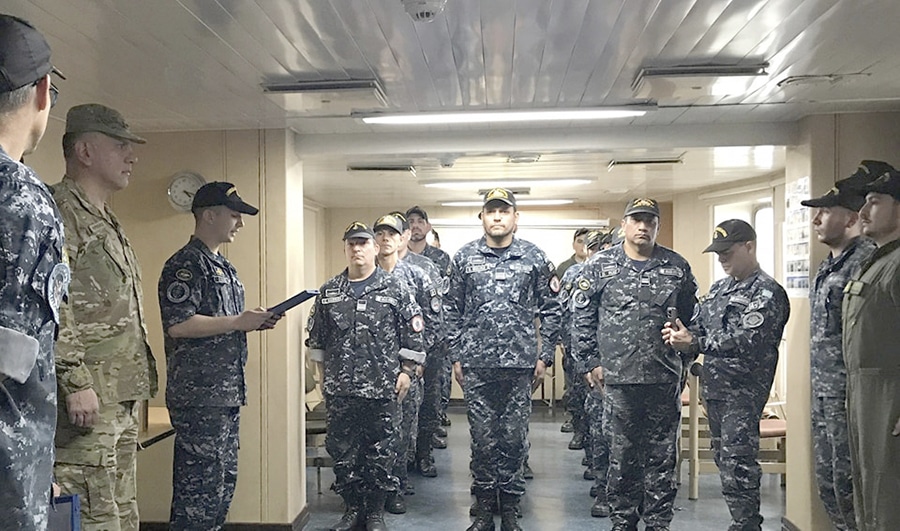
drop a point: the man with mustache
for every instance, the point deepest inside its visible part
(620, 302)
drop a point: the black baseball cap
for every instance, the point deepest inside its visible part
(499, 194)
(418, 211)
(729, 233)
(24, 54)
(358, 229)
(889, 184)
(580, 232)
(221, 193)
(390, 221)
(867, 172)
(595, 238)
(837, 197)
(641, 205)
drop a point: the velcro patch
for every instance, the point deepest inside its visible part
(184, 274)
(417, 323)
(554, 284)
(752, 320)
(178, 292)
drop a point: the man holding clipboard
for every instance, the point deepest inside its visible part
(201, 302)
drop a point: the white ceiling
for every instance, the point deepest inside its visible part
(198, 64)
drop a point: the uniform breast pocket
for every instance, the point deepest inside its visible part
(615, 299)
(106, 263)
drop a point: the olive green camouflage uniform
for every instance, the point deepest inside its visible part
(102, 346)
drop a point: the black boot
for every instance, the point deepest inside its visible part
(483, 511)
(437, 442)
(375, 511)
(600, 508)
(440, 431)
(352, 512)
(509, 512)
(425, 462)
(393, 503)
(577, 442)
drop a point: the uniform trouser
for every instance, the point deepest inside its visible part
(100, 465)
(361, 441)
(430, 410)
(573, 399)
(831, 444)
(498, 404)
(205, 466)
(446, 383)
(408, 430)
(26, 456)
(641, 424)
(599, 447)
(734, 436)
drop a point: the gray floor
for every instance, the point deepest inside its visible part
(557, 497)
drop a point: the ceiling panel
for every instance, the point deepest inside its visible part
(199, 64)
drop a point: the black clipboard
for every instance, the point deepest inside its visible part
(296, 300)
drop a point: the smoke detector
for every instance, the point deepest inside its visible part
(423, 10)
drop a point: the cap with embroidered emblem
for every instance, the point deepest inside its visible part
(224, 194)
(390, 221)
(729, 233)
(642, 205)
(837, 197)
(358, 229)
(500, 194)
(889, 184)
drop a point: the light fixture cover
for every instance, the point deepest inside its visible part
(502, 116)
(693, 82)
(329, 97)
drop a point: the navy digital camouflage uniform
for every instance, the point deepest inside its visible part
(35, 277)
(429, 299)
(738, 328)
(829, 382)
(205, 385)
(441, 260)
(361, 341)
(617, 312)
(492, 302)
(576, 387)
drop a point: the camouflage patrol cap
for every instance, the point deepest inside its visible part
(390, 221)
(729, 233)
(500, 194)
(358, 229)
(642, 205)
(96, 118)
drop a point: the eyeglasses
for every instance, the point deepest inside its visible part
(54, 95)
(54, 92)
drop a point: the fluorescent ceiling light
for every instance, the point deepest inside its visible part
(499, 116)
(519, 202)
(504, 183)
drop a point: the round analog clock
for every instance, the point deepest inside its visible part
(182, 188)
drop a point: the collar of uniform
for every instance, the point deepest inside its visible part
(514, 249)
(198, 243)
(884, 249)
(838, 261)
(68, 184)
(652, 262)
(379, 274)
(735, 284)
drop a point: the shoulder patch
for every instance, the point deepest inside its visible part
(184, 274)
(178, 292)
(580, 300)
(435, 304)
(752, 320)
(417, 323)
(554, 284)
(584, 284)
